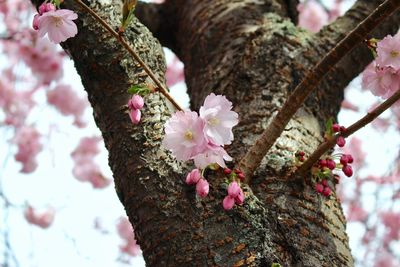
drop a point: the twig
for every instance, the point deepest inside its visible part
(325, 146)
(120, 38)
(256, 153)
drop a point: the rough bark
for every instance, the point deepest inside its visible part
(250, 51)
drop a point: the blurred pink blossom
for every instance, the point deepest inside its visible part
(312, 16)
(27, 140)
(85, 169)
(125, 231)
(43, 220)
(67, 101)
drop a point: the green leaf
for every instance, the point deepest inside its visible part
(139, 89)
(328, 126)
(276, 265)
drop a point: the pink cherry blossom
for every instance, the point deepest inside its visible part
(388, 51)
(312, 16)
(184, 135)
(228, 202)
(212, 154)
(125, 231)
(193, 177)
(381, 81)
(67, 101)
(58, 24)
(202, 188)
(43, 220)
(174, 73)
(85, 169)
(27, 140)
(219, 119)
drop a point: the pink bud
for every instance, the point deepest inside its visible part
(193, 177)
(35, 22)
(340, 141)
(342, 129)
(240, 198)
(322, 163)
(301, 153)
(335, 128)
(330, 164)
(344, 160)
(135, 115)
(327, 191)
(202, 188)
(228, 203)
(227, 171)
(324, 182)
(136, 102)
(350, 159)
(319, 188)
(46, 7)
(347, 170)
(241, 176)
(233, 189)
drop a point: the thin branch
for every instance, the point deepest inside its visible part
(120, 38)
(253, 157)
(324, 147)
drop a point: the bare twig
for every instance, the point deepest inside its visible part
(325, 146)
(120, 38)
(256, 153)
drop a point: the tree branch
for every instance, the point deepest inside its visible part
(257, 152)
(160, 21)
(327, 145)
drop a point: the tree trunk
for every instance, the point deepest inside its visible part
(252, 52)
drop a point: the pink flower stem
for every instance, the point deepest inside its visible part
(256, 153)
(160, 86)
(325, 146)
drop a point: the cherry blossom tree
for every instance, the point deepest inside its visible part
(250, 179)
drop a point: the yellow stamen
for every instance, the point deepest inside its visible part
(188, 135)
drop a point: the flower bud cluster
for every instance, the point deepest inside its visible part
(135, 104)
(196, 178)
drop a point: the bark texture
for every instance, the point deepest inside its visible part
(251, 51)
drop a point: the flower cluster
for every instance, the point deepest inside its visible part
(190, 136)
(196, 178)
(235, 195)
(382, 76)
(323, 169)
(135, 104)
(57, 23)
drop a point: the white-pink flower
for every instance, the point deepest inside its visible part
(58, 24)
(381, 81)
(184, 135)
(219, 119)
(388, 51)
(213, 154)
